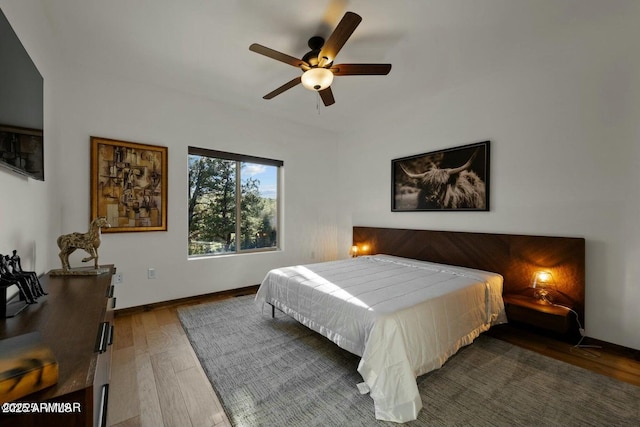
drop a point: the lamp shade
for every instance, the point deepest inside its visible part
(317, 79)
(542, 279)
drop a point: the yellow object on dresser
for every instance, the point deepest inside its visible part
(27, 365)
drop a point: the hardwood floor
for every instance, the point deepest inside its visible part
(597, 356)
(156, 379)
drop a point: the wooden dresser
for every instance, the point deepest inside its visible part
(75, 320)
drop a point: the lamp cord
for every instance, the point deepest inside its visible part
(580, 328)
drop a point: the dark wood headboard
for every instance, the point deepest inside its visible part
(516, 257)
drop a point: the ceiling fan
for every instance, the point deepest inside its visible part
(317, 64)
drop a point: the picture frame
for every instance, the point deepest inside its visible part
(453, 179)
(129, 185)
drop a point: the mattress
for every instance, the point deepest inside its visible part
(403, 317)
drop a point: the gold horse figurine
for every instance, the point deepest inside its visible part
(89, 241)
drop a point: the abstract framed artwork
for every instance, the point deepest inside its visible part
(129, 185)
(454, 179)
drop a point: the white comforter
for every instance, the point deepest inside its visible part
(403, 317)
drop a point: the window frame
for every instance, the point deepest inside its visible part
(239, 159)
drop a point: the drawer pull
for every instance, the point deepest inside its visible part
(113, 304)
(111, 331)
(104, 400)
(110, 291)
(101, 338)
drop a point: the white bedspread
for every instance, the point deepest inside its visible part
(403, 317)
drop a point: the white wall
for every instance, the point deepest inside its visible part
(100, 105)
(564, 127)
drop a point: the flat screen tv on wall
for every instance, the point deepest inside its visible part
(21, 107)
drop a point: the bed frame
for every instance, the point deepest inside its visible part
(514, 256)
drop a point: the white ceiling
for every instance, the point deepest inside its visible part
(202, 46)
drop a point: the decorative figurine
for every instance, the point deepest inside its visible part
(8, 278)
(16, 266)
(89, 242)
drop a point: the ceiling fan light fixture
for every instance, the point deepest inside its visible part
(317, 79)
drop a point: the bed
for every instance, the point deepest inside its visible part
(403, 317)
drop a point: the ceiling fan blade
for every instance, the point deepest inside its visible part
(278, 56)
(332, 14)
(284, 87)
(338, 38)
(361, 69)
(327, 96)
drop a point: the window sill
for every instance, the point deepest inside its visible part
(233, 254)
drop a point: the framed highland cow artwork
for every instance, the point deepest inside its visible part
(454, 179)
(129, 185)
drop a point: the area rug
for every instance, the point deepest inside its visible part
(277, 372)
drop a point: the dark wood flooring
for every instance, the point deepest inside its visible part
(604, 358)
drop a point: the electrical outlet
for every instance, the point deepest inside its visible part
(151, 273)
(117, 278)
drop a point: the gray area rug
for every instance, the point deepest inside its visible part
(277, 372)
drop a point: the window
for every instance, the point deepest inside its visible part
(233, 203)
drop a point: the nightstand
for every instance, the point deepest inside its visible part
(526, 309)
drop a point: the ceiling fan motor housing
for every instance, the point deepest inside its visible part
(311, 57)
(315, 43)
